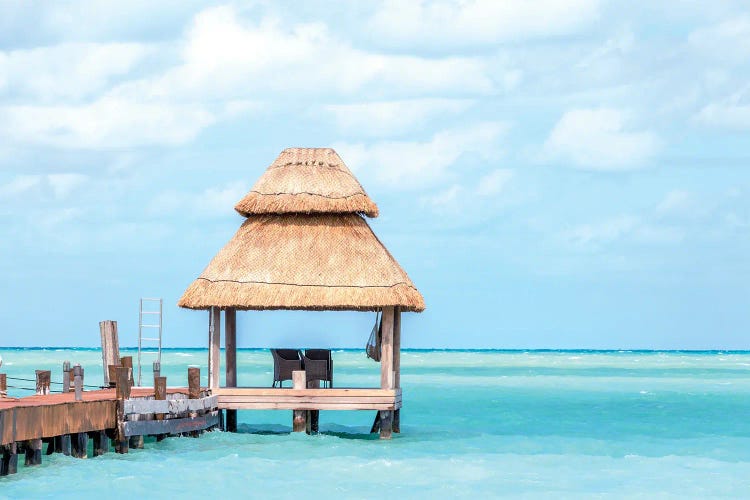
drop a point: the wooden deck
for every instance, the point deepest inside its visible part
(257, 398)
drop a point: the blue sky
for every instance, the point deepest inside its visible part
(551, 174)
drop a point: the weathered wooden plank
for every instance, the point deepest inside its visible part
(386, 424)
(173, 406)
(43, 378)
(397, 364)
(310, 400)
(171, 426)
(33, 422)
(251, 405)
(263, 391)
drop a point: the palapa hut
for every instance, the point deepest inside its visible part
(305, 245)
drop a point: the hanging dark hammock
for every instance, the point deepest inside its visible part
(373, 343)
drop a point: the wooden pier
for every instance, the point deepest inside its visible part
(116, 418)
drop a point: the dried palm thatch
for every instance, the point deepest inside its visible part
(295, 261)
(307, 180)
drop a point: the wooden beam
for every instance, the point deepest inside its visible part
(230, 353)
(194, 382)
(386, 349)
(299, 417)
(214, 346)
(171, 426)
(110, 347)
(397, 364)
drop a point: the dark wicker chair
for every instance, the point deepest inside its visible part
(285, 361)
(318, 366)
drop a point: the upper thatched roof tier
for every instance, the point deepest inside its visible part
(307, 180)
(295, 261)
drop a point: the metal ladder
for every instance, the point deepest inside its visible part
(149, 313)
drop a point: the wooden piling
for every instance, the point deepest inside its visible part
(80, 442)
(124, 376)
(135, 442)
(100, 442)
(3, 385)
(43, 381)
(66, 377)
(299, 417)
(110, 348)
(78, 382)
(386, 424)
(33, 452)
(397, 364)
(157, 369)
(194, 382)
(160, 394)
(127, 362)
(230, 353)
(9, 459)
(386, 349)
(214, 346)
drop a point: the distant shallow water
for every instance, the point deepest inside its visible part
(475, 423)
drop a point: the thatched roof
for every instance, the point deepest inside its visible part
(296, 261)
(307, 180)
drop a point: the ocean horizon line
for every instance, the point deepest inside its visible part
(414, 349)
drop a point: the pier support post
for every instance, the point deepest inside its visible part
(80, 441)
(78, 381)
(230, 353)
(110, 348)
(386, 424)
(127, 362)
(124, 375)
(66, 377)
(33, 452)
(214, 346)
(194, 391)
(397, 364)
(3, 385)
(299, 381)
(9, 459)
(160, 394)
(43, 381)
(100, 441)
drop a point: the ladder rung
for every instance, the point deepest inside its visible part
(150, 312)
(150, 326)
(150, 299)
(150, 338)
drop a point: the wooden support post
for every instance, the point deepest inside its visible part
(386, 424)
(230, 354)
(66, 445)
(33, 452)
(9, 459)
(386, 349)
(194, 382)
(214, 346)
(135, 442)
(3, 385)
(127, 362)
(66, 377)
(78, 382)
(160, 394)
(312, 416)
(110, 348)
(50, 445)
(80, 443)
(43, 381)
(124, 375)
(397, 364)
(157, 370)
(101, 442)
(299, 381)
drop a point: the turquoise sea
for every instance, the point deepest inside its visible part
(533, 424)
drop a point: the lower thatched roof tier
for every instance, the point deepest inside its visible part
(309, 181)
(314, 262)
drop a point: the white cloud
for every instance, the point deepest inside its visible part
(215, 201)
(226, 56)
(494, 182)
(728, 41)
(19, 185)
(470, 22)
(675, 202)
(68, 70)
(618, 230)
(389, 118)
(598, 139)
(732, 112)
(64, 184)
(106, 123)
(416, 165)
